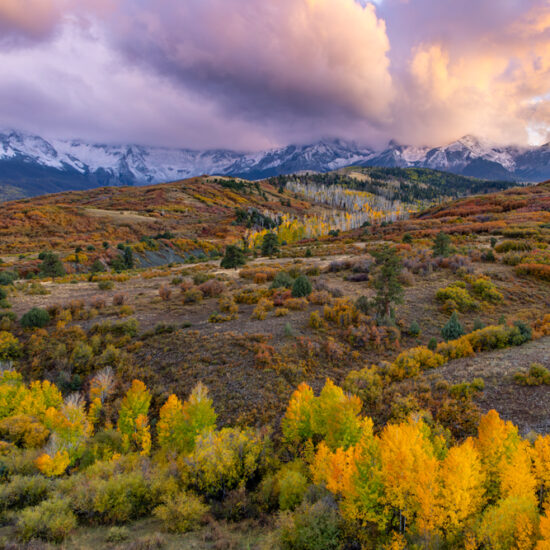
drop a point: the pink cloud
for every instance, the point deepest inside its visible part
(249, 73)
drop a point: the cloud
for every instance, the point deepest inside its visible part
(76, 86)
(253, 73)
(290, 60)
(485, 87)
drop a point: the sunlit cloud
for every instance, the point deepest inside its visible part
(250, 73)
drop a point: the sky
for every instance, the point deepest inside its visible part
(253, 74)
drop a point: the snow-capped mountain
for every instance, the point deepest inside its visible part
(31, 165)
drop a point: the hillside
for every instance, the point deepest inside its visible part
(288, 367)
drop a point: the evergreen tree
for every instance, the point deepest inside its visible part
(128, 257)
(453, 329)
(442, 245)
(389, 289)
(234, 257)
(301, 287)
(270, 244)
(51, 265)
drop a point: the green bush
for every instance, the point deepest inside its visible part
(35, 318)
(442, 245)
(52, 520)
(8, 277)
(282, 280)
(311, 527)
(515, 246)
(23, 491)
(363, 304)
(292, 488)
(270, 244)
(97, 266)
(234, 257)
(181, 513)
(51, 265)
(109, 497)
(201, 277)
(414, 329)
(301, 287)
(106, 285)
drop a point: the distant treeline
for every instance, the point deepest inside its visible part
(405, 184)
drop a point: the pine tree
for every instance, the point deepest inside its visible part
(386, 282)
(301, 287)
(51, 265)
(234, 257)
(453, 329)
(270, 244)
(442, 245)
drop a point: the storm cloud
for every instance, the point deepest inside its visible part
(248, 74)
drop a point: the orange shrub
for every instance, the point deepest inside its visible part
(540, 271)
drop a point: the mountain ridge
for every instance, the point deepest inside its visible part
(31, 165)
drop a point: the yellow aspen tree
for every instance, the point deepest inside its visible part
(496, 441)
(179, 424)
(336, 416)
(70, 426)
(41, 396)
(297, 423)
(407, 460)
(516, 475)
(544, 527)
(132, 418)
(541, 463)
(462, 485)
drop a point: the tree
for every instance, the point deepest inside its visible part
(452, 329)
(132, 418)
(462, 487)
(270, 244)
(386, 282)
(301, 287)
(51, 265)
(442, 244)
(128, 257)
(234, 257)
(180, 424)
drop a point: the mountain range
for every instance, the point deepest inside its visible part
(31, 165)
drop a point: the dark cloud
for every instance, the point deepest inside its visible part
(253, 73)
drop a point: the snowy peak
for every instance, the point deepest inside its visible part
(35, 165)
